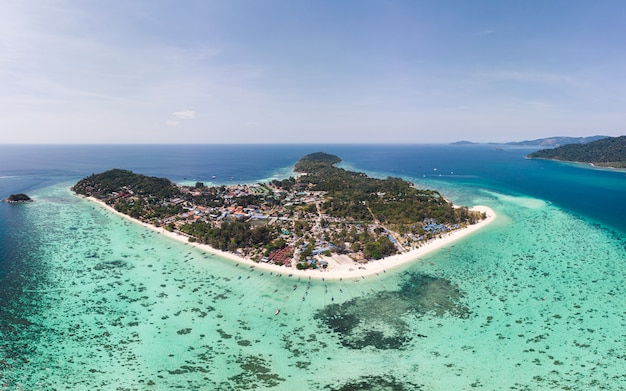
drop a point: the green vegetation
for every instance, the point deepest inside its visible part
(607, 152)
(380, 248)
(230, 236)
(117, 181)
(21, 197)
(357, 197)
(142, 209)
(316, 161)
(139, 196)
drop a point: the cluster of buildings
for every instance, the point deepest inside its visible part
(307, 233)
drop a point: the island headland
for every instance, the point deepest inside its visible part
(327, 222)
(607, 152)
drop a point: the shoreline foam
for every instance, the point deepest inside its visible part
(335, 270)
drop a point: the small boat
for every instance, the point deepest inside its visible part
(277, 311)
(294, 287)
(213, 177)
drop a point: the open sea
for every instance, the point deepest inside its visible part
(534, 301)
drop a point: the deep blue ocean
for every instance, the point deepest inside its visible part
(543, 285)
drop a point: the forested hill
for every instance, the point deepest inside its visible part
(608, 152)
(117, 180)
(355, 196)
(316, 162)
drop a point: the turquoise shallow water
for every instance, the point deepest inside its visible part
(534, 301)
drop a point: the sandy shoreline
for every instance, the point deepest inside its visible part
(335, 270)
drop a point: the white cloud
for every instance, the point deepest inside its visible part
(187, 114)
(172, 123)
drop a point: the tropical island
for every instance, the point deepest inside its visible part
(324, 215)
(18, 198)
(607, 152)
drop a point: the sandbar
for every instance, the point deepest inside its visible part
(336, 270)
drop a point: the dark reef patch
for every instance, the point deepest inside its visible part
(256, 374)
(377, 320)
(369, 321)
(377, 383)
(428, 294)
(118, 264)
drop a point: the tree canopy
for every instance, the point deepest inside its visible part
(355, 196)
(117, 180)
(607, 152)
(316, 161)
(21, 197)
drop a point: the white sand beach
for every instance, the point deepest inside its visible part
(336, 270)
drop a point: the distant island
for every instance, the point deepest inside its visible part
(553, 142)
(607, 152)
(18, 198)
(326, 213)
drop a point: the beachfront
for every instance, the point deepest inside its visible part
(336, 270)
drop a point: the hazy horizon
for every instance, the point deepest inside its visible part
(307, 143)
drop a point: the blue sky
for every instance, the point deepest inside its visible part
(336, 71)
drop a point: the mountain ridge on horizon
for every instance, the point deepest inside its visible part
(553, 142)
